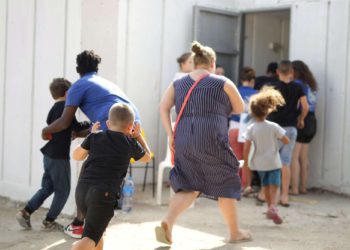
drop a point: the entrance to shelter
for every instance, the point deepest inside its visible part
(243, 39)
(265, 39)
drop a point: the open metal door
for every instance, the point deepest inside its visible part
(221, 30)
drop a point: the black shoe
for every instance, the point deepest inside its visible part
(23, 219)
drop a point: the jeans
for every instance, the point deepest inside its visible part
(286, 150)
(55, 180)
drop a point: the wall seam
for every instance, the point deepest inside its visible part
(32, 96)
(127, 33)
(162, 37)
(253, 41)
(4, 94)
(65, 39)
(346, 97)
(325, 88)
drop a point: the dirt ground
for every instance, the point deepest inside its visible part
(317, 221)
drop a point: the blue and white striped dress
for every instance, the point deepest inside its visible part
(204, 161)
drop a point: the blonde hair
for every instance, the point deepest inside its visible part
(265, 102)
(121, 115)
(203, 55)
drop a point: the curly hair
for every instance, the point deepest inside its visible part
(265, 102)
(87, 61)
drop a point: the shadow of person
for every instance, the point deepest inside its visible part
(163, 248)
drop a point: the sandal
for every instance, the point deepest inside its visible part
(244, 239)
(284, 204)
(161, 234)
(259, 201)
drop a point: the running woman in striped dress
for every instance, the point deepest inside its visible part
(204, 162)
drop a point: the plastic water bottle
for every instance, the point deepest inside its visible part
(128, 192)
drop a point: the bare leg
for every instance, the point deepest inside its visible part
(87, 244)
(304, 163)
(267, 195)
(248, 177)
(285, 184)
(273, 196)
(295, 167)
(261, 194)
(178, 204)
(80, 215)
(229, 211)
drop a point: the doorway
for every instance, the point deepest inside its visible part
(265, 39)
(243, 39)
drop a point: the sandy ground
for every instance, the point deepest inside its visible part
(314, 221)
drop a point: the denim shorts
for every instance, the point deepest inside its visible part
(271, 177)
(286, 150)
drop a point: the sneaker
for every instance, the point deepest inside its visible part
(23, 219)
(74, 231)
(272, 214)
(51, 226)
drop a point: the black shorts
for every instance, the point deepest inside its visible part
(97, 206)
(306, 134)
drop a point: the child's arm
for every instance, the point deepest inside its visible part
(284, 139)
(143, 143)
(246, 150)
(79, 153)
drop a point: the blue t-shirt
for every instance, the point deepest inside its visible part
(311, 96)
(95, 95)
(246, 93)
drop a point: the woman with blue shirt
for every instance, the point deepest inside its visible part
(300, 161)
(93, 94)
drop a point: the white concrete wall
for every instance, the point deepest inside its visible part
(36, 38)
(324, 45)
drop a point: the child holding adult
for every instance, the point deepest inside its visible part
(56, 177)
(109, 153)
(287, 117)
(300, 162)
(246, 90)
(264, 135)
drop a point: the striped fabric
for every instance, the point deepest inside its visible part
(204, 161)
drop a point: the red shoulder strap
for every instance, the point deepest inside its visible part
(186, 100)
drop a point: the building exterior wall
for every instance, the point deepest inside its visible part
(139, 42)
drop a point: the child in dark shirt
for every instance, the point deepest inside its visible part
(289, 118)
(56, 177)
(109, 154)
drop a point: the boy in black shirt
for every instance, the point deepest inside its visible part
(287, 117)
(56, 177)
(109, 154)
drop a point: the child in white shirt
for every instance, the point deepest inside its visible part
(265, 136)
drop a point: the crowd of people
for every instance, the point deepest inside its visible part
(267, 122)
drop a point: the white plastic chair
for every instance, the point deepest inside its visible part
(162, 166)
